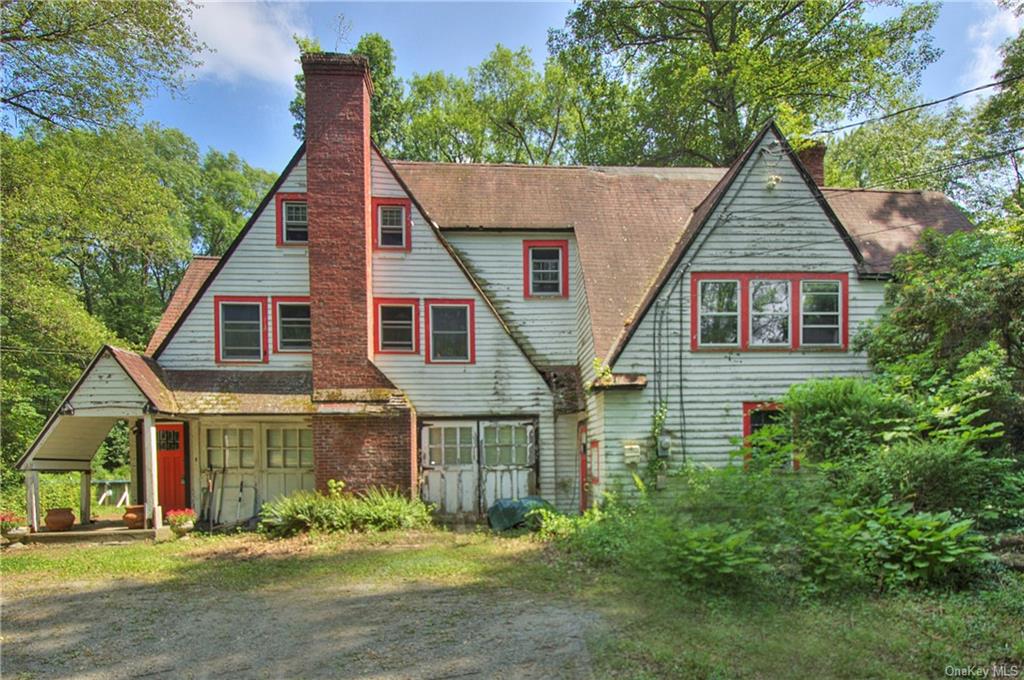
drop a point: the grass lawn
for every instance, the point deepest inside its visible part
(635, 629)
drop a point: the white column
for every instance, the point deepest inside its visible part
(32, 500)
(154, 515)
(85, 500)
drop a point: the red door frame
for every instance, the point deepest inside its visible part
(173, 497)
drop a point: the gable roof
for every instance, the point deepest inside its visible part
(192, 281)
(633, 224)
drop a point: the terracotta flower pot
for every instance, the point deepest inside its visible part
(59, 519)
(134, 517)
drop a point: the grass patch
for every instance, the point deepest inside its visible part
(647, 629)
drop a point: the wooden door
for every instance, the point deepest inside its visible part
(170, 463)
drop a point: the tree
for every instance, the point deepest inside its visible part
(702, 76)
(386, 103)
(89, 64)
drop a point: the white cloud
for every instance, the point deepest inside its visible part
(250, 40)
(985, 38)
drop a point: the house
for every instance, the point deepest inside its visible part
(475, 332)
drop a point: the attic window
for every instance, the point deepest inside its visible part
(392, 224)
(296, 228)
(719, 313)
(240, 329)
(397, 323)
(450, 333)
(545, 269)
(292, 325)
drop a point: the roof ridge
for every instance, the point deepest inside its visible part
(206, 257)
(878, 190)
(530, 166)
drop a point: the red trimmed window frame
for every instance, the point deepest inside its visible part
(449, 302)
(279, 201)
(218, 300)
(375, 205)
(275, 318)
(563, 246)
(795, 313)
(396, 302)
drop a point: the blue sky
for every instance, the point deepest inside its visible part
(238, 99)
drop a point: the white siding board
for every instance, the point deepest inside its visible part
(753, 229)
(107, 387)
(502, 382)
(257, 267)
(546, 324)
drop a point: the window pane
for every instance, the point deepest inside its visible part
(306, 458)
(291, 439)
(546, 270)
(245, 311)
(247, 458)
(295, 212)
(821, 319)
(719, 330)
(769, 297)
(769, 329)
(821, 336)
(291, 458)
(719, 296)
(821, 286)
(274, 438)
(392, 226)
(214, 437)
(450, 346)
(449, 329)
(820, 302)
(306, 438)
(245, 437)
(295, 331)
(241, 331)
(490, 454)
(231, 438)
(274, 458)
(392, 216)
(449, 318)
(396, 328)
(763, 417)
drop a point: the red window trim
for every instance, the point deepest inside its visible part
(274, 302)
(375, 204)
(279, 200)
(794, 279)
(218, 300)
(752, 406)
(427, 304)
(562, 245)
(397, 302)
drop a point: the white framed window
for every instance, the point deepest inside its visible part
(397, 327)
(821, 313)
(451, 444)
(240, 328)
(545, 271)
(391, 223)
(506, 444)
(769, 312)
(294, 331)
(296, 224)
(451, 331)
(719, 312)
(289, 447)
(230, 447)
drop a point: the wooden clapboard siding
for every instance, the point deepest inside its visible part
(258, 267)
(753, 229)
(567, 471)
(545, 325)
(585, 354)
(107, 390)
(501, 382)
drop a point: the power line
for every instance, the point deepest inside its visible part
(915, 107)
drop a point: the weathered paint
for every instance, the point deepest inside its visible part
(107, 391)
(753, 229)
(258, 266)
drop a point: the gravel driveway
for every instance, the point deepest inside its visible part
(321, 627)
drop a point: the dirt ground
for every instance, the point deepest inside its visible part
(299, 628)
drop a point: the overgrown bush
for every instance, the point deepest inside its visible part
(933, 476)
(841, 418)
(57, 490)
(376, 509)
(703, 554)
(888, 545)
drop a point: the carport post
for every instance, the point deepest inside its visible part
(32, 498)
(153, 511)
(85, 500)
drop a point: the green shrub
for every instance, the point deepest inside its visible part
(375, 509)
(838, 419)
(933, 476)
(888, 545)
(56, 490)
(601, 535)
(705, 554)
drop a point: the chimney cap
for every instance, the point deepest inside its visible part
(336, 63)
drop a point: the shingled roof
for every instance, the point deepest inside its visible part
(191, 283)
(627, 220)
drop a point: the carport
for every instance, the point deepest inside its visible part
(117, 385)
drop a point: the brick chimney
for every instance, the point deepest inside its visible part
(813, 158)
(338, 90)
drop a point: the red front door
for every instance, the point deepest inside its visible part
(170, 466)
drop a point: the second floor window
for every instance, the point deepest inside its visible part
(450, 331)
(769, 312)
(392, 224)
(294, 331)
(545, 268)
(240, 331)
(820, 307)
(397, 326)
(719, 312)
(296, 226)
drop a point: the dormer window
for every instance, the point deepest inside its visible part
(292, 219)
(392, 224)
(545, 269)
(240, 332)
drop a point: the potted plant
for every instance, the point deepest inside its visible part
(181, 521)
(9, 521)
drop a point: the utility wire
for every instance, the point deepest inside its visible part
(899, 112)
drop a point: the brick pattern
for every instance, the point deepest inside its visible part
(813, 158)
(338, 196)
(366, 450)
